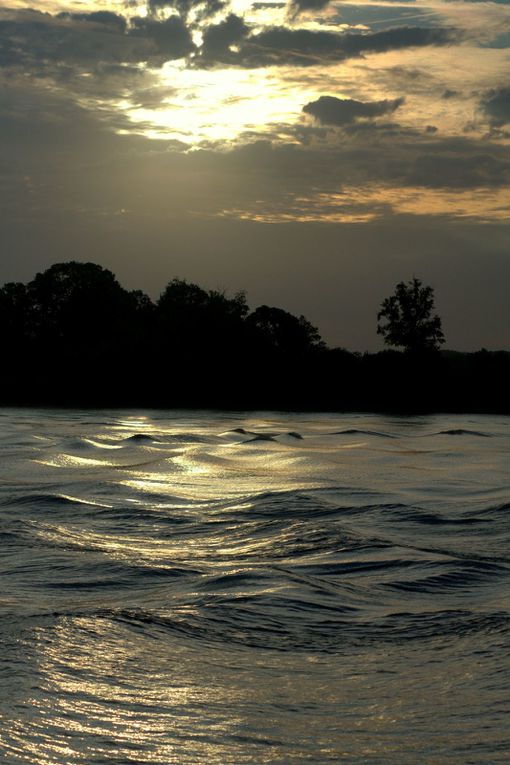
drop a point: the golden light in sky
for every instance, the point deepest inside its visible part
(217, 105)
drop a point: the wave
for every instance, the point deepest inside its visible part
(299, 625)
(454, 575)
(360, 432)
(86, 444)
(265, 436)
(49, 501)
(141, 438)
(461, 432)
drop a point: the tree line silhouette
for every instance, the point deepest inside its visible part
(73, 336)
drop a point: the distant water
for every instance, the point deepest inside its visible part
(196, 587)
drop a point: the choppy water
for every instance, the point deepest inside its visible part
(215, 588)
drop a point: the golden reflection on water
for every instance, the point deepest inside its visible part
(151, 717)
(136, 423)
(104, 692)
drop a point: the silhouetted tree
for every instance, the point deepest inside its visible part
(76, 303)
(194, 318)
(84, 330)
(282, 332)
(406, 318)
(15, 315)
(142, 312)
(200, 335)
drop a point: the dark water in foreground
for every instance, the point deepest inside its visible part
(217, 588)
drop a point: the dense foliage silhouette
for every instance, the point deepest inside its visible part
(73, 336)
(406, 319)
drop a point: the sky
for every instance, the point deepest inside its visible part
(311, 153)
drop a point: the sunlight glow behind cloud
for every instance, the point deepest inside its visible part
(218, 105)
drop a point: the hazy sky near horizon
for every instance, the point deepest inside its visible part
(310, 152)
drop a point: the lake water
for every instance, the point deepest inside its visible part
(231, 588)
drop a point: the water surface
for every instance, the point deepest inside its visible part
(197, 587)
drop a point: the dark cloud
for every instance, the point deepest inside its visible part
(204, 8)
(496, 106)
(388, 155)
(381, 132)
(32, 37)
(301, 6)
(398, 38)
(460, 166)
(329, 110)
(380, 15)
(218, 38)
(171, 38)
(34, 40)
(305, 47)
(97, 17)
(103, 82)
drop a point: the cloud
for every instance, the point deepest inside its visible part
(282, 45)
(34, 40)
(203, 8)
(97, 17)
(398, 38)
(458, 164)
(302, 6)
(171, 38)
(496, 106)
(218, 38)
(414, 159)
(328, 110)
